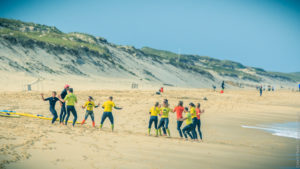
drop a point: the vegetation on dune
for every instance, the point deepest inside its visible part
(189, 62)
(201, 64)
(31, 34)
(30, 31)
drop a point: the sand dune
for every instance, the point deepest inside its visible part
(35, 143)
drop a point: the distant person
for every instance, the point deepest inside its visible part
(223, 85)
(260, 90)
(214, 87)
(161, 90)
(198, 124)
(179, 109)
(299, 87)
(164, 121)
(189, 124)
(107, 106)
(154, 111)
(194, 119)
(89, 105)
(52, 101)
(63, 111)
(71, 100)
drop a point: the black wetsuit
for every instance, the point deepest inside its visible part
(52, 102)
(63, 111)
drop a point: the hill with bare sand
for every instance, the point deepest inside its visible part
(30, 51)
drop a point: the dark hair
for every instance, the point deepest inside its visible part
(166, 101)
(54, 92)
(198, 105)
(156, 104)
(71, 90)
(110, 97)
(180, 103)
(186, 109)
(192, 104)
(90, 97)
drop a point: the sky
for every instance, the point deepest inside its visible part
(258, 33)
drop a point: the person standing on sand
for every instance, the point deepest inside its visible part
(71, 99)
(179, 109)
(194, 118)
(198, 124)
(164, 121)
(299, 87)
(107, 106)
(63, 111)
(52, 101)
(89, 105)
(189, 124)
(223, 85)
(260, 90)
(154, 111)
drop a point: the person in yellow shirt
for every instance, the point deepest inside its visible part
(194, 118)
(71, 99)
(89, 105)
(107, 106)
(164, 121)
(154, 111)
(189, 124)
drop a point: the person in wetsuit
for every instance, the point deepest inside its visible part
(52, 101)
(107, 106)
(63, 111)
(179, 109)
(70, 100)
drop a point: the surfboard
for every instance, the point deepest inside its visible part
(32, 115)
(9, 115)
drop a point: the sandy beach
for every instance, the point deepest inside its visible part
(35, 143)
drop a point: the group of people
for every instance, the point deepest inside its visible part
(191, 118)
(68, 100)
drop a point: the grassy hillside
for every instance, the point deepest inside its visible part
(202, 64)
(29, 34)
(29, 31)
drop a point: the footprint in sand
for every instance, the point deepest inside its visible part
(84, 157)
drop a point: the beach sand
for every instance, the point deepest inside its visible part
(35, 143)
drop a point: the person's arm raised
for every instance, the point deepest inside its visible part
(43, 96)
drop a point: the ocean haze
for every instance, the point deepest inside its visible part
(256, 33)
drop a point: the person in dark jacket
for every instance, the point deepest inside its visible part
(63, 111)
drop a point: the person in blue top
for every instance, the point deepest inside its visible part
(299, 87)
(52, 101)
(63, 110)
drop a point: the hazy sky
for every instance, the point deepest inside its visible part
(259, 33)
